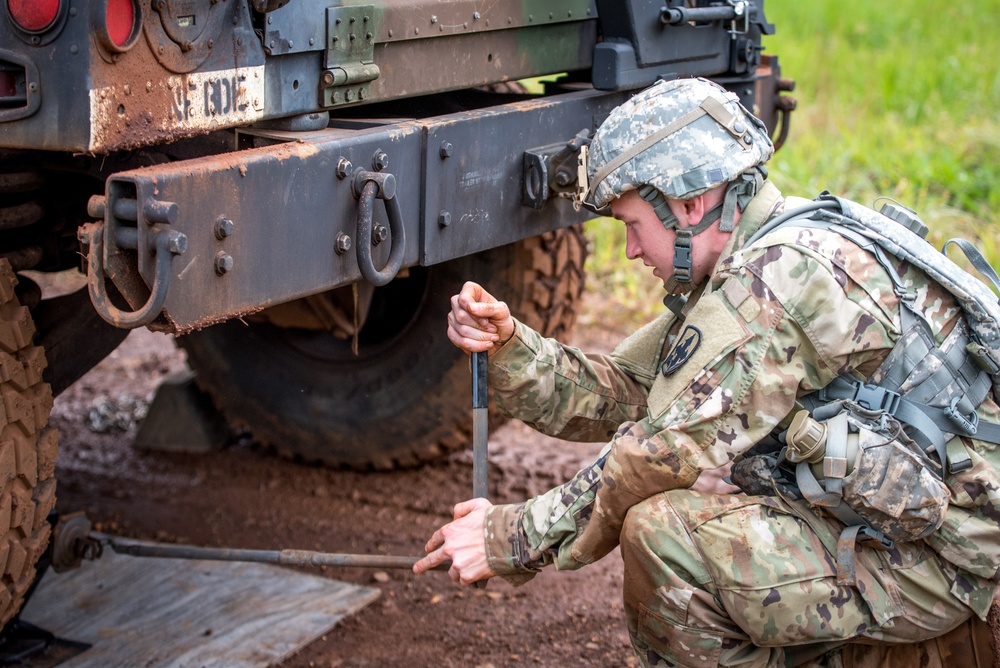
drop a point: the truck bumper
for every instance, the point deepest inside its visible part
(195, 242)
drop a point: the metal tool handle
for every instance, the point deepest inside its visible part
(140, 548)
(480, 409)
(480, 432)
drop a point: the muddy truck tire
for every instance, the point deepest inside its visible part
(404, 398)
(27, 450)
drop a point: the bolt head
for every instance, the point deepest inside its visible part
(344, 168)
(343, 243)
(446, 149)
(379, 234)
(177, 243)
(223, 263)
(444, 219)
(223, 228)
(380, 161)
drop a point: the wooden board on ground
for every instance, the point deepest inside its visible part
(175, 612)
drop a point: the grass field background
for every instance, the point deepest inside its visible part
(897, 99)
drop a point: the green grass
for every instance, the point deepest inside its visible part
(897, 99)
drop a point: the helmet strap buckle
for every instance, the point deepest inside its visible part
(582, 181)
(682, 256)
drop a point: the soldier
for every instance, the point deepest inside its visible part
(714, 577)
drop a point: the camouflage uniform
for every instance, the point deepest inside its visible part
(736, 579)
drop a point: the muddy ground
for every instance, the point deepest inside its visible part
(244, 496)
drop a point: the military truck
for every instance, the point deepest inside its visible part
(296, 187)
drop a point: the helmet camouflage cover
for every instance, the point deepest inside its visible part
(682, 137)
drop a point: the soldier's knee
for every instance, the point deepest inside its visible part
(647, 521)
(655, 538)
(637, 529)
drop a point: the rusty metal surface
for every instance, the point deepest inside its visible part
(287, 205)
(479, 183)
(215, 71)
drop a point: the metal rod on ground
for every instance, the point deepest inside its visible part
(138, 548)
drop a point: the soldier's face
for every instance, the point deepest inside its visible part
(646, 239)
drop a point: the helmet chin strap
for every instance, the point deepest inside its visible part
(738, 194)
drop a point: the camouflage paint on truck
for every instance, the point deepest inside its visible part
(195, 67)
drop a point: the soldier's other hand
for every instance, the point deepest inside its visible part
(461, 541)
(478, 321)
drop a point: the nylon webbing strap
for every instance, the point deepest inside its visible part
(709, 105)
(976, 259)
(636, 149)
(847, 548)
(725, 118)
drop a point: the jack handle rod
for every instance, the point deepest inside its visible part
(139, 548)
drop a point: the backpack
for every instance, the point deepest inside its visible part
(874, 454)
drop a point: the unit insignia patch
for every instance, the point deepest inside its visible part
(683, 350)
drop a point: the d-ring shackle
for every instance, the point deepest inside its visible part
(367, 187)
(162, 241)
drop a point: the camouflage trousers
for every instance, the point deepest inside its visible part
(738, 580)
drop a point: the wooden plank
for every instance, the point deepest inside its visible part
(179, 613)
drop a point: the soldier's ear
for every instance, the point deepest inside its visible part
(694, 210)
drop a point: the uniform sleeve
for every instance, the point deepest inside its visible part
(562, 392)
(779, 323)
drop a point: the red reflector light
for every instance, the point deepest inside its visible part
(120, 18)
(33, 15)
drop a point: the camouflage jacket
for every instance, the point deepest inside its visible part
(774, 321)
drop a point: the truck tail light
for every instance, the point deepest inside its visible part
(34, 15)
(117, 24)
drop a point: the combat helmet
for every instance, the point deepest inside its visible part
(679, 139)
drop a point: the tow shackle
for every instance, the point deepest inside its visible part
(101, 240)
(369, 186)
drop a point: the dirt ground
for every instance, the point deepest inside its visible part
(244, 496)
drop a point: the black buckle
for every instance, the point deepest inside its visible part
(682, 257)
(875, 398)
(874, 538)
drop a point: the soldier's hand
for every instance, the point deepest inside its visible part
(462, 541)
(478, 321)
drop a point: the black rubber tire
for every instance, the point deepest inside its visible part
(406, 398)
(28, 448)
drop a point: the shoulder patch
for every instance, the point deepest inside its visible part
(687, 343)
